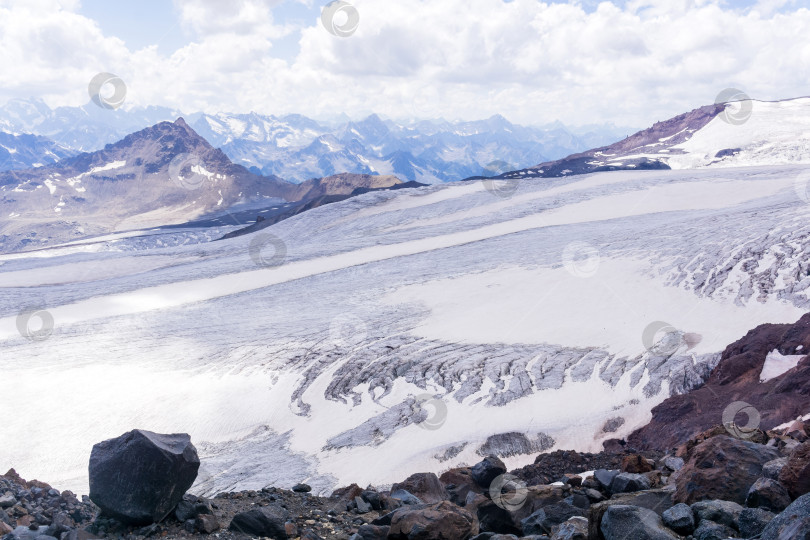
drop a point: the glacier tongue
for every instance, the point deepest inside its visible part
(405, 331)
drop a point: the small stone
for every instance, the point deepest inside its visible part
(574, 480)
(605, 477)
(680, 519)
(709, 530)
(752, 521)
(302, 488)
(207, 523)
(673, 463)
(768, 494)
(635, 463)
(7, 500)
(772, 468)
(405, 497)
(629, 482)
(362, 506)
(487, 470)
(372, 498)
(268, 521)
(575, 528)
(594, 496)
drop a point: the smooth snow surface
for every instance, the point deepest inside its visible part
(550, 315)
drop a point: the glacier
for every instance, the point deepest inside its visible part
(399, 331)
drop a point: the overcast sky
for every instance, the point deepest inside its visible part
(629, 62)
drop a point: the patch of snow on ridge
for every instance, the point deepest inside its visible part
(108, 167)
(777, 364)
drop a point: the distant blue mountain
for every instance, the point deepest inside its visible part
(298, 148)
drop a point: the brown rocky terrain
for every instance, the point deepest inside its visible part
(737, 379)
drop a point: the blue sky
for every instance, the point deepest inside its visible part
(630, 62)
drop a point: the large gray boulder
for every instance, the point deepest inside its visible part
(723, 512)
(266, 522)
(622, 522)
(793, 523)
(722, 468)
(442, 520)
(139, 477)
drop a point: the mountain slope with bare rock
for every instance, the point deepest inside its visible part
(163, 175)
(768, 369)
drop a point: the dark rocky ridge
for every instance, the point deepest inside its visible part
(736, 378)
(318, 201)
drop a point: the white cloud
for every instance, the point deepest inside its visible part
(531, 61)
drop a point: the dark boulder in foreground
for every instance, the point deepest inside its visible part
(140, 477)
(793, 523)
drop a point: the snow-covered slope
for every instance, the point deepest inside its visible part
(774, 133)
(732, 134)
(397, 331)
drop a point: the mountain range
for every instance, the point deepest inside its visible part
(298, 148)
(162, 175)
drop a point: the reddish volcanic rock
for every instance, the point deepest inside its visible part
(795, 476)
(426, 486)
(441, 520)
(736, 378)
(722, 468)
(635, 463)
